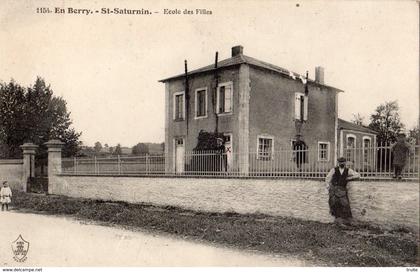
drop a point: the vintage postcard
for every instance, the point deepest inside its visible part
(209, 134)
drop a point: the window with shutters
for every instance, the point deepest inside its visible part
(301, 107)
(179, 106)
(224, 98)
(201, 103)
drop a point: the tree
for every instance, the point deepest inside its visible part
(386, 121)
(213, 158)
(58, 122)
(97, 147)
(140, 149)
(117, 150)
(414, 135)
(34, 114)
(358, 119)
(207, 141)
(12, 97)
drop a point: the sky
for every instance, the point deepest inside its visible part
(107, 67)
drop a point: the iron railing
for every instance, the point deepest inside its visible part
(370, 162)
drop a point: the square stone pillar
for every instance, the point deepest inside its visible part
(168, 131)
(54, 163)
(243, 119)
(28, 171)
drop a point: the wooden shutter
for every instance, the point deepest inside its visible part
(297, 106)
(305, 108)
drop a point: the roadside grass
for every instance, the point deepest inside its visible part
(362, 245)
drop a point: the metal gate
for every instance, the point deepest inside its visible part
(38, 181)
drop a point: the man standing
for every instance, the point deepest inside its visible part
(338, 200)
(400, 151)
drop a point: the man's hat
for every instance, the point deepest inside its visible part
(341, 159)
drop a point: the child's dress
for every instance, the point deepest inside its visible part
(5, 195)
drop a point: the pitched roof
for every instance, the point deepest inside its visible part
(343, 124)
(243, 59)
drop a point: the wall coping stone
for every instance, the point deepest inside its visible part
(238, 178)
(54, 144)
(29, 149)
(11, 161)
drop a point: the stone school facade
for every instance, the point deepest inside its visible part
(259, 107)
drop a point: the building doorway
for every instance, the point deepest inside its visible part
(228, 151)
(179, 155)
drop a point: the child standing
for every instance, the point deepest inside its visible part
(5, 195)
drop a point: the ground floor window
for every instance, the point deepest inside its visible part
(323, 151)
(300, 150)
(350, 148)
(367, 149)
(265, 148)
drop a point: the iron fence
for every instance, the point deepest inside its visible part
(370, 162)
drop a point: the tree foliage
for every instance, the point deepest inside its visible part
(414, 135)
(207, 141)
(386, 121)
(117, 150)
(97, 147)
(34, 114)
(140, 149)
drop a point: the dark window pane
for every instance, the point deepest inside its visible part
(222, 99)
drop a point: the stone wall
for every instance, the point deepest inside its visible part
(381, 202)
(11, 170)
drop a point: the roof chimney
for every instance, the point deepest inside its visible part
(319, 74)
(237, 50)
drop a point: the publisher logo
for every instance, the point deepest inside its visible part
(20, 249)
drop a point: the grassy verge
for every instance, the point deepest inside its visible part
(363, 245)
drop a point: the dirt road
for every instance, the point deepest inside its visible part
(58, 241)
